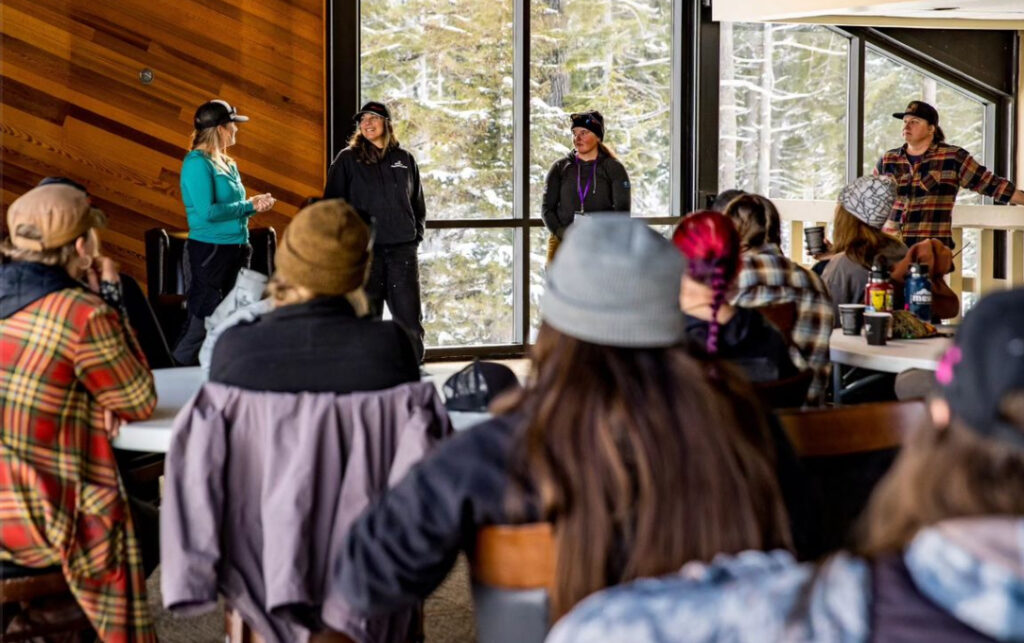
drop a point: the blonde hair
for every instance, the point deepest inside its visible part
(211, 141)
(284, 293)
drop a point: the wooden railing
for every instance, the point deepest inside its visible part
(985, 218)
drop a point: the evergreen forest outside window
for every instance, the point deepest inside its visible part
(447, 70)
(783, 96)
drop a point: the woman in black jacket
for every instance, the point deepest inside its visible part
(382, 182)
(589, 179)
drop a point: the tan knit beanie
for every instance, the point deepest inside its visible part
(326, 248)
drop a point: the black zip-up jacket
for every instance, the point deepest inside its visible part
(610, 191)
(388, 191)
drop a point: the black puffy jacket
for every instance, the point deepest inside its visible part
(388, 191)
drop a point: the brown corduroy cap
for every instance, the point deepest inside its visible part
(51, 216)
(326, 248)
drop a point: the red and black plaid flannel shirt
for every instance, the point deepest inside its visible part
(63, 359)
(925, 195)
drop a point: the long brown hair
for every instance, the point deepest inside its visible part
(942, 473)
(859, 241)
(640, 462)
(366, 151)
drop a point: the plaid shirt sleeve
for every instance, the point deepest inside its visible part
(109, 368)
(975, 176)
(769, 278)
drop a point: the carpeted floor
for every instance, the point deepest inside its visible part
(448, 614)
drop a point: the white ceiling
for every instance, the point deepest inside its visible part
(970, 14)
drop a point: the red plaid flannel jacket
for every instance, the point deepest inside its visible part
(766, 278)
(925, 195)
(63, 359)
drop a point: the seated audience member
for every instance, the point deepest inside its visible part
(768, 278)
(942, 544)
(619, 438)
(863, 208)
(711, 246)
(70, 372)
(724, 198)
(134, 306)
(317, 339)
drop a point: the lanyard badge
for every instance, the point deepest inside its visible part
(584, 190)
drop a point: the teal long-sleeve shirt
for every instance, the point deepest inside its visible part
(215, 202)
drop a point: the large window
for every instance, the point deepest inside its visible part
(447, 69)
(783, 95)
(615, 57)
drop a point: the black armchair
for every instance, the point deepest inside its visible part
(168, 276)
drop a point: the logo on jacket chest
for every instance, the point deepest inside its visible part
(399, 164)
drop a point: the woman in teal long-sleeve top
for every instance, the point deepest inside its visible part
(218, 219)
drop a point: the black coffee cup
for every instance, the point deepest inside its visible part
(851, 316)
(814, 237)
(876, 327)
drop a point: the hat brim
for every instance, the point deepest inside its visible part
(238, 118)
(900, 116)
(355, 117)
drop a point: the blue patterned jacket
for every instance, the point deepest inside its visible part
(973, 569)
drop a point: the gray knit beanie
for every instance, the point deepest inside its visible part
(615, 282)
(870, 199)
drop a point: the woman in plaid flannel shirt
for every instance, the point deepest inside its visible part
(70, 372)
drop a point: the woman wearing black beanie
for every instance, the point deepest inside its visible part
(588, 180)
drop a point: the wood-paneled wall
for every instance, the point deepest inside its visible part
(73, 104)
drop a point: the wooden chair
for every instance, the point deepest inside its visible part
(787, 393)
(845, 451)
(782, 316)
(513, 570)
(36, 604)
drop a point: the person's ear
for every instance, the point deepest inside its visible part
(939, 409)
(82, 247)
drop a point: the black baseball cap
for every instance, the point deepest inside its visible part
(985, 363)
(373, 107)
(920, 109)
(216, 112)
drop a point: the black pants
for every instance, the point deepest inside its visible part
(395, 279)
(214, 268)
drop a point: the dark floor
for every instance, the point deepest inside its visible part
(448, 614)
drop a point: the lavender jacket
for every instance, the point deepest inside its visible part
(259, 492)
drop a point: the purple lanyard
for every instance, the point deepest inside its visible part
(582, 192)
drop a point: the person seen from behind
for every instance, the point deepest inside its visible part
(941, 545)
(319, 336)
(863, 208)
(71, 372)
(621, 439)
(711, 246)
(769, 278)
